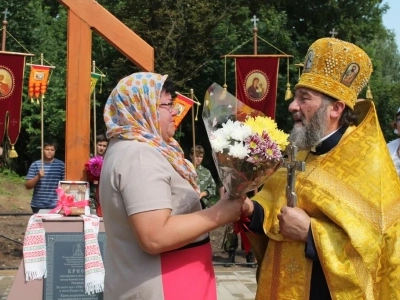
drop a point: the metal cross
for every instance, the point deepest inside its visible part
(333, 32)
(5, 13)
(255, 20)
(292, 166)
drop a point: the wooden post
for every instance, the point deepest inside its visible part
(84, 16)
(77, 137)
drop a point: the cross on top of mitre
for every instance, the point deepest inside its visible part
(333, 32)
(255, 20)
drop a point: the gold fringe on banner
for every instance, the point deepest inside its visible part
(288, 94)
(12, 153)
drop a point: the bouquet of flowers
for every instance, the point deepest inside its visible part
(246, 146)
(93, 169)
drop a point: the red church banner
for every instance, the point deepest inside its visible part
(257, 82)
(11, 83)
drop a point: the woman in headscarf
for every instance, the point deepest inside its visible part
(394, 146)
(158, 245)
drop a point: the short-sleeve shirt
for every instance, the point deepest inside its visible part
(136, 178)
(44, 193)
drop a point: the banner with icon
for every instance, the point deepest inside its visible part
(182, 105)
(257, 83)
(38, 80)
(11, 84)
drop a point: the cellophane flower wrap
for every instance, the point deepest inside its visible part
(246, 146)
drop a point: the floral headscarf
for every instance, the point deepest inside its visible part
(131, 114)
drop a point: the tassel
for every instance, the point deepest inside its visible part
(288, 94)
(31, 100)
(369, 94)
(223, 94)
(37, 101)
(12, 153)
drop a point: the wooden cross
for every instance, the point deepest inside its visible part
(255, 20)
(292, 166)
(5, 13)
(333, 32)
(85, 16)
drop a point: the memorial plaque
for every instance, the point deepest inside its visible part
(66, 266)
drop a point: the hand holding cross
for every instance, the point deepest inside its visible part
(292, 166)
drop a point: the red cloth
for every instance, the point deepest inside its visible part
(11, 83)
(257, 82)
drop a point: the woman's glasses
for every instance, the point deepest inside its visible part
(167, 106)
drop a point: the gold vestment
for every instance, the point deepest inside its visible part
(352, 195)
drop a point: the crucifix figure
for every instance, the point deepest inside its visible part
(333, 32)
(292, 166)
(255, 20)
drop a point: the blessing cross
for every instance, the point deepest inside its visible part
(5, 13)
(255, 20)
(292, 166)
(333, 32)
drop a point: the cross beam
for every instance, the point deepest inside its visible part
(83, 17)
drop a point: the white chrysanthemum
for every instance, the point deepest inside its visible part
(241, 133)
(239, 150)
(229, 128)
(218, 141)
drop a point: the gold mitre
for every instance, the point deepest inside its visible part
(336, 68)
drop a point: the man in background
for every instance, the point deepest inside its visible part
(101, 144)
(205, 180)
(44, 178)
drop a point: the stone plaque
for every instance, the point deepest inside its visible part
(66, 266)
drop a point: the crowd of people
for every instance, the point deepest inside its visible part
(340, 242)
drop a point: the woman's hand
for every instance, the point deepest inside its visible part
(229, 209)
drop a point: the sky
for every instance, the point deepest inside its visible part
(391, 19)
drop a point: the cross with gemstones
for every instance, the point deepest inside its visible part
(292, 166)
(333, 32)
(255, 20)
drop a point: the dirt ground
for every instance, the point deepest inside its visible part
(15, 199)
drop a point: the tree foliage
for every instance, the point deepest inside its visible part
(190, 38)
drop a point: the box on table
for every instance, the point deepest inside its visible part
(80, 191)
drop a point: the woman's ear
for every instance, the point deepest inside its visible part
(393, 125)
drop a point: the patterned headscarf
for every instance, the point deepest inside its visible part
(131, 114)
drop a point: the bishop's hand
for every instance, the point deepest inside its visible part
(294, 223)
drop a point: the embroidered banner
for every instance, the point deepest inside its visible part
(11, 83)
(38, 81)
(182, 105)
(93, 80)
(257, 82)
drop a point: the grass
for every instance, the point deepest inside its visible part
(13, 195)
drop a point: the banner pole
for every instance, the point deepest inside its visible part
(193, 129)
(94, 113)
(42, 121)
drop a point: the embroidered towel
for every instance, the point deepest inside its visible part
(34, 248)
(94, 267)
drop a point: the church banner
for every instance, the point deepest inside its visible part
(93, 81)
(257, 82)
(182, 105)
(38, 81)
(11, 83)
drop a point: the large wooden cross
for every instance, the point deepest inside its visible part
(83, 17)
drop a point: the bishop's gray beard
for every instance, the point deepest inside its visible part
(309, 135)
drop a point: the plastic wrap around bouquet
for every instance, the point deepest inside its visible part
(246, 145)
